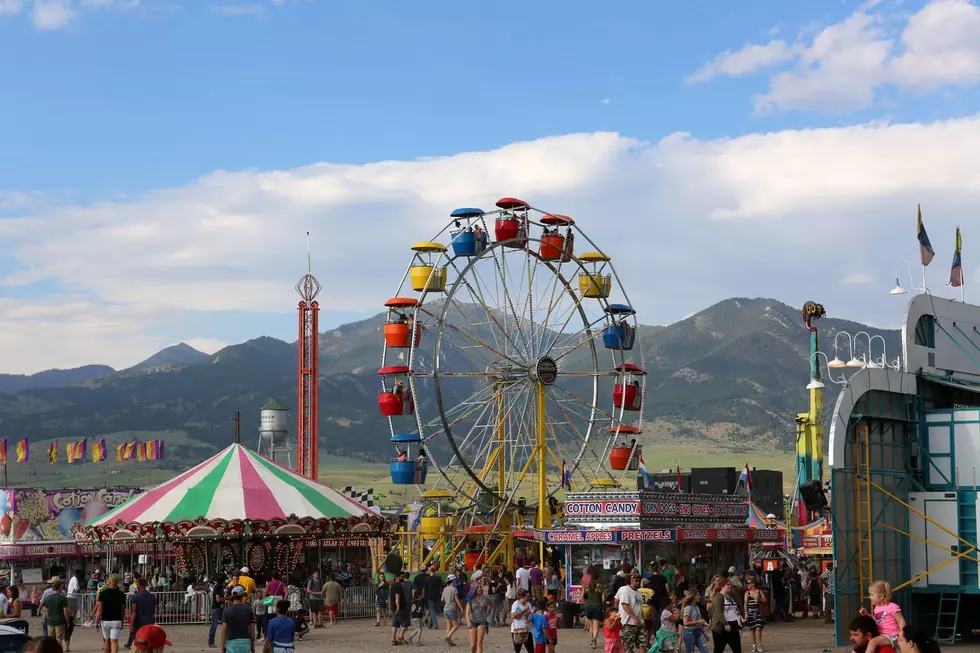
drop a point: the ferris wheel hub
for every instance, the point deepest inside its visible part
(545, 371)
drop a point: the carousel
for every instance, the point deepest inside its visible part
(235, 509)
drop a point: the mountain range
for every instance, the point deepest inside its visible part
(732, 376)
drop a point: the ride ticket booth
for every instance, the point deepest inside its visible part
(699, 533)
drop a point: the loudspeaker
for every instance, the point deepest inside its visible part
(813, 496)
(393, 564)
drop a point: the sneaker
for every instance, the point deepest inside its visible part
(759, 649)
(754, 648)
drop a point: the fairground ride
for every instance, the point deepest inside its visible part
(511, 371)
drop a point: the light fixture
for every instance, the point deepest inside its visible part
(874, 365)
(898, 290)
(836, 364)
(815, 385)
(855, 362)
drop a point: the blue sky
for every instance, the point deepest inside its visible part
(112, 112)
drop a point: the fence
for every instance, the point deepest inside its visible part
(172, 608)
(180, 608)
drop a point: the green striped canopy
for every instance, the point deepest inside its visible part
(234, 484)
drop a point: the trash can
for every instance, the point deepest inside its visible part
(567, 610)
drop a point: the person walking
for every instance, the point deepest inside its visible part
(142, 611)
(217, 607)
(451, 608)
(381, 600)
(630, 603)
(74, 587)
(56, 605)
(280, 632)
(109, 610)
(433, 590)
(725, 627)
(333, 593)
(238, 633)
(694, 623)
(314, 589)
(248, 583)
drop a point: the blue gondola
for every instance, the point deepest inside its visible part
(620, 309)
(468, 240)
(408, 472)
(621, 337)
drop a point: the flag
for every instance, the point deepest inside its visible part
(680, 486)
(647, 481)
(129, 450)
(23, 451)
(956, 274)
(566, 476)
(3, 451)
(745, 480)
(120, 450)
(75, 451)
(154, 449)
(926, 252)
(98, 451)
(141, 451)
(159, 450)
(53, 452)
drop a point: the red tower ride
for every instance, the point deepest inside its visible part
(309, 372)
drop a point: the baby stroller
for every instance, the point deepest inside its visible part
(299, 621)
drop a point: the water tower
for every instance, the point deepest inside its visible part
(273, 427)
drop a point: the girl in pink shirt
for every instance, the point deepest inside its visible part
(887, 615)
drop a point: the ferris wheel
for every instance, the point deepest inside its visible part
(512, 366)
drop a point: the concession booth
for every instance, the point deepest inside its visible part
(698, 534)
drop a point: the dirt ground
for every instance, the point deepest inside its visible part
(802, 636)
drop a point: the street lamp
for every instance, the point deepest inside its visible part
(837, 363)
(816, 383)
(898, 289)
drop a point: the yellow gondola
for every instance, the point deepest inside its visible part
(425, 276)
(592, 283)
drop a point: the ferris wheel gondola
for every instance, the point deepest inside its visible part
(515, 361)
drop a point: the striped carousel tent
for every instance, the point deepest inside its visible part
(236, 484)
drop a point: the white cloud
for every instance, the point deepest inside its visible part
(749, 59)
(247, 9)
(52, 14)
(605, 101)
(840, 68)
(687, 222)
(11, 6)
(857, 278)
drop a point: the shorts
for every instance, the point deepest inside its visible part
(333, 609)
(633, 637)
(238, 645)
(893, 641)
(477, 624)
(537, 593)
(58, 632)
(111, 629)
(450, 614)
(400, 621)
(540, 648)
(553, 640)
(594, 614)
(316, 605)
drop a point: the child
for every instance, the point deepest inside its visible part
(539, 626)
(670, 620)
(258, 608)
(419, 613)
(887, 615)
(610, 629)
(554, 621)
(381, 600)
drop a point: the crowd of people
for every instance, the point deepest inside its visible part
(652, 612)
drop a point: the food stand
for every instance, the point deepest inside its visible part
(704, 533)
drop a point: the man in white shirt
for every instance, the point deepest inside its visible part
(630, 603)
(523, 577)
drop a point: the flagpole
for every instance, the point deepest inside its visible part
(925, 288)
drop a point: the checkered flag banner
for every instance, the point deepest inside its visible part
(366, 499)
